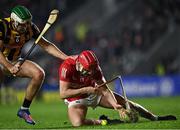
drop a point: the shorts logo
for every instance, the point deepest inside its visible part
(77, 101)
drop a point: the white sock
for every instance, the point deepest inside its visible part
(24, 108)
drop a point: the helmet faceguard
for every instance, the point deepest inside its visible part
(20, 18)
(87, 62)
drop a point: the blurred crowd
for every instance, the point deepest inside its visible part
(122, 46)
(41, 8)
(168, 65)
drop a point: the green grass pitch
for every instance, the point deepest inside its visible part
(53, 115)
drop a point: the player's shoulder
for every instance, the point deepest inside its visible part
(4, 22)
(67, 69)
(8, 19)
(4, 27)
(68, 63)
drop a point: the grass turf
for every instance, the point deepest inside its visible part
(54, 115)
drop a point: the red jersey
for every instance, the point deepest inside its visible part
(68, 73)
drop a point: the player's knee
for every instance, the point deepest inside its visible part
(77, 123)
(39, 75)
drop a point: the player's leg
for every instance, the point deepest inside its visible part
(108, 102)
(149, 115)
(143, 112)
(77, 116)
(140, 109)
(30, 70)
(33, 71)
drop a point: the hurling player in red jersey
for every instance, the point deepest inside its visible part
(79, 79)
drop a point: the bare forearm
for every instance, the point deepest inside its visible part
(52, 49)
(73, 92)
(110, 96)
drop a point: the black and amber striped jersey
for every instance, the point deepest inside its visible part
(14, 41)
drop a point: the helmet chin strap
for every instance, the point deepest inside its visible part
(13, 24)
(80, 69)
(77, 66)
(16, 24)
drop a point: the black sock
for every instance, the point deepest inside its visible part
(167, 117)
(26, 103)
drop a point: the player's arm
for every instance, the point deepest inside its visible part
(106, 91)
(67, 90)
(3, 61)
(66, 87)
(47, 45)
(52, 49)
(108, 94)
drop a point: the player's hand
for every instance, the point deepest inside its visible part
(123, 113)
(117, 106)
(15, 69)
(129, 115)
(92, 90)
(132, 115)
(88, 90)
(99, 90)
